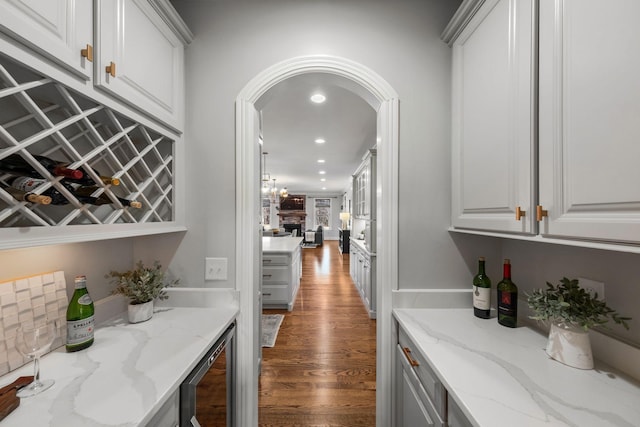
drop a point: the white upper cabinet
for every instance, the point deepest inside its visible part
(589, 128)
(61, 30)
(493, 119)
(140, 59)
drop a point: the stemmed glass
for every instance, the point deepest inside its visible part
(33, 341)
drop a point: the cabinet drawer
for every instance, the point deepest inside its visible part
(276, 293)
(274, 260)
(277, 273)
(432, 385)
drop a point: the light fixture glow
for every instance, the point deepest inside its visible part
(320, 160)
(323, 179)
(324, 188)
(322, 172)
(320, 141)
(318, 98)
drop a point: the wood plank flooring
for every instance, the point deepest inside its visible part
(322, 370)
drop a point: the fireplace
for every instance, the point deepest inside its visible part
(291, 227)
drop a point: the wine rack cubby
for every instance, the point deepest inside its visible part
(39, 116)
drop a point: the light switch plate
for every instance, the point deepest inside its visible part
(215, 269)
(592, 287)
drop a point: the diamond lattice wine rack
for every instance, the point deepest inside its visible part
(39, 116)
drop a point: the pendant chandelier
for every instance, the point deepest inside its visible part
(269, 188)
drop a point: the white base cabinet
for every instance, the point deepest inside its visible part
(281, 274)
(362, 267)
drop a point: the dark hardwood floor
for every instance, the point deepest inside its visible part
(322, 370)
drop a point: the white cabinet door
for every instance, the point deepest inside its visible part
(410, 408)
(56, 29)
(144, 56)
(493, 119)
(589, 128)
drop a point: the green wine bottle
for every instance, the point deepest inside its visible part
(80, 321)
(507, 299)
(481, 292)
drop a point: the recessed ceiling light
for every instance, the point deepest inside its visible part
(320, 141)
(318, 98)
(323, 179)
(324, 188)
(320, 160)
(322, 172)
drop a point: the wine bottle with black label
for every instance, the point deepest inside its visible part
(17, 165)
(80, 320)
(84, 195)
(481, 292)
(507, 298)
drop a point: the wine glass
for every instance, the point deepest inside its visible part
(33, 341)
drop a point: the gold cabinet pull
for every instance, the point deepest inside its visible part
(87, 53)
(520, 213)
(541, 213)
(111, 69)
(407, 354)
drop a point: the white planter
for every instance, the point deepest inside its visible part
(570, 344)
(140, 312)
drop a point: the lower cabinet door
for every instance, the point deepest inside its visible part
(455, 417)
(413, 407)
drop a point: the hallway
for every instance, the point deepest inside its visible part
(322, 370)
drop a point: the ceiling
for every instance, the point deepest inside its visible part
(291, 123)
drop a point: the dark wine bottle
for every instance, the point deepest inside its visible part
(481, 292)
(30, 185)
(507, 299)
(17, 165)
(24, 196)
(80, 320)
(87, 180)
(84, 195)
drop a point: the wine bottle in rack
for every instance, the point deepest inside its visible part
(507, 298)
(80, 320)
(17, 165)
(24, 196)
(481, 292)
(84, 195)
(87, 180)
(29, 185)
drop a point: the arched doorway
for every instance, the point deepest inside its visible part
(376, 91)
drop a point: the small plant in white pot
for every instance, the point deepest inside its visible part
(141, 285)
(572, 311)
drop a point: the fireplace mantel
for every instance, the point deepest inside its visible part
(299, 214)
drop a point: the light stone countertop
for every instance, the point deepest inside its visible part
(361, 245)
(502, 377)
(129, 372)
(280, 244)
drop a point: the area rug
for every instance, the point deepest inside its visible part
(270, 327)
(309, 245)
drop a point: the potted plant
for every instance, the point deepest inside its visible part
(572, 311)
(141, 285)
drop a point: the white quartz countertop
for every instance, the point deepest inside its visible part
(280, 244)
(129, 372)
(502, 377)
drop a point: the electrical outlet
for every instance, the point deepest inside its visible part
(592, 286)
(215, 269)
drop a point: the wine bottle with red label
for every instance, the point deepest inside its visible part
(507, 298)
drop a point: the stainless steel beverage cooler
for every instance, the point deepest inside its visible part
(207, 394)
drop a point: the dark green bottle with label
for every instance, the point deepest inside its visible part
(481, 292)
(80, 320)
(507, 299)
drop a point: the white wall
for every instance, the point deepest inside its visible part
(399, 40)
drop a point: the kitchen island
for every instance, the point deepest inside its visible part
(127, 376)
(281, 271)
(496, 376)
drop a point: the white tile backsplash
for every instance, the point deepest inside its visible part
(27, 300)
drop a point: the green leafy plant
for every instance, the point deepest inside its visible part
(141, 285)
(570, 304)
